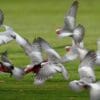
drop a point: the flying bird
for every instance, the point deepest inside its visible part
(94, 88)
(44, 68)
(86, 72)
(7, 67)
(52, 65)
(70, 29)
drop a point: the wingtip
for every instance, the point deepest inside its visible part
(75, 2)
(40, 39)
(81, 26)
(1, 17)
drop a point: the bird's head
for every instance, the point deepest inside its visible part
(61, 32)
(76, 85)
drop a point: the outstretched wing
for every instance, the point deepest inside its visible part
(37, 56)
(79, 32)
(70, 17)
(89, 60)
(53, 56)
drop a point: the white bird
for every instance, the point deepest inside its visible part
(52, 66)
(86, 72)
(7, 67)
(70, 29)
(94, 88)
(43, 69)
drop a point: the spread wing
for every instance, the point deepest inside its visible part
(70, 17)
(53, 56)
(89, 60)
(79, 32)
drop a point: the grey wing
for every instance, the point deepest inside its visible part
(45, 72)
(36, 53)
(70, 17)
(79, 32)
(53, 56)
(1, 17)
(89, 60)
(33, 51)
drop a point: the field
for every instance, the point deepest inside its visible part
(33, 18)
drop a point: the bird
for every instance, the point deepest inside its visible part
(93, 88)
(86, 72)
(6, 66)
(53, 64)
(43, 68)
(70, 29)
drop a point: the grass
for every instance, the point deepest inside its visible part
(41, 18)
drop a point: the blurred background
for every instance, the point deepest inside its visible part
(33, 18)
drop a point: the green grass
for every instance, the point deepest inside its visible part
(31, 18)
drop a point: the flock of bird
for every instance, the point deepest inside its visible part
(45, 67)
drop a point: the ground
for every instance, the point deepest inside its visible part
(33, 18)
